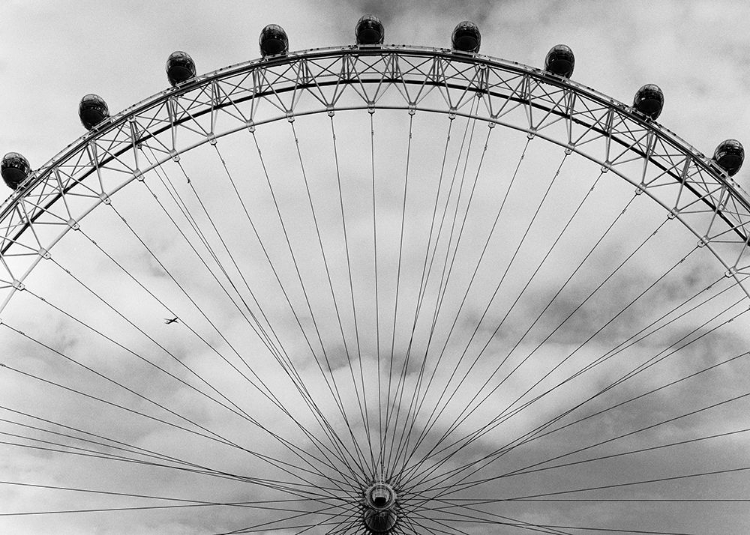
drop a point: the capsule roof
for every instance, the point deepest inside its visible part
(649, 100)
(180, 67)
(560, 61)
(369, 31)
(273, 41)
(730, 155)
(92, 110)
(14, 169)
(466, 37)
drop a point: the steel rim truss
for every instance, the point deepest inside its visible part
(688, 185)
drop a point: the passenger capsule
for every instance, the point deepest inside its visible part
(560, 61)
(92, 111)
(649, 100)
(273, 41)
(729, 155)
(180, 68)
(15, 169)
(369, 31)
(466, 37)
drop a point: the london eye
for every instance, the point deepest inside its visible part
(376, 288)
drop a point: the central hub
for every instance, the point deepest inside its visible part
(380, 505)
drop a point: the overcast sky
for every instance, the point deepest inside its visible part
(52, 53)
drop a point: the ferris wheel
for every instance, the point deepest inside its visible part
(376, 289)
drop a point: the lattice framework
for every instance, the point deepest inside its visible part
(656, 161)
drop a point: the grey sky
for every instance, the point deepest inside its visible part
(52, 53)
(693, 50)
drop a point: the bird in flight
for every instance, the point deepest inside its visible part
(170, 320)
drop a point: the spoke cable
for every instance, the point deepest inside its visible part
(362, 402)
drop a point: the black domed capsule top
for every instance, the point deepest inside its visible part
(729, 155)
(369, 31)
(649, 100)
(466, 37)
(92, 111)
(15, 169)
(273, 41)
(560, 61)
(180, 68)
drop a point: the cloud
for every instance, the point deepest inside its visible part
(689, 50)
